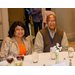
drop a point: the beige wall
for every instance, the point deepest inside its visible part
(1, 32)
(66, 20)
(16, 14)
(71, 22)
(61, 18)
(4, 25)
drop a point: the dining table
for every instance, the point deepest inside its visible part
(44, 59)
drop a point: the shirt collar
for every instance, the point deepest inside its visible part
(50, 30)
(52, 34)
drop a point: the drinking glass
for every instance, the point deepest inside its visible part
(18, 62)
(52, 54)
(70, 52)
(35, 57)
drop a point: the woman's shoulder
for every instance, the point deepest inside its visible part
(7, 38)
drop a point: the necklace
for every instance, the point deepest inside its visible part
(19, 41)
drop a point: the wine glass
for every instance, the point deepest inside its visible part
(10, 59)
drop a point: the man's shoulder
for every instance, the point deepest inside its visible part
(44, 29)
(59, 29)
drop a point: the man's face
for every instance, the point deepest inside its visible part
(51, 21)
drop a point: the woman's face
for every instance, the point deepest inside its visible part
(19, 32)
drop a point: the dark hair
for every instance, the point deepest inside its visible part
(14, 25)
(27, 8)
(48, 8)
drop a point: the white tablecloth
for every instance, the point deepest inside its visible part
(44, 58)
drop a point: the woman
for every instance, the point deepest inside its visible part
(16, 42)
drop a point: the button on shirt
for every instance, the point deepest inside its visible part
(35, 17)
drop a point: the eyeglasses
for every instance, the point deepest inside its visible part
(51, 21)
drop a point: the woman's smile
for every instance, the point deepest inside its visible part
(19, 32)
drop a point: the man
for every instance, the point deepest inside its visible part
(46, 13)
(37, 18)
(49, 36)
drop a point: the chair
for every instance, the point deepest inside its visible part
(31, 37)
(0, 44)
(32, 40)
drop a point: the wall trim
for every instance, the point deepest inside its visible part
(71, 35)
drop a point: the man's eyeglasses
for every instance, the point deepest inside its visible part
(51, 21)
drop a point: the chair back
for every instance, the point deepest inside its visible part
(0, 44)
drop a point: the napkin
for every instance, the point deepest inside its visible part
(4, 63)
(61, 64)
